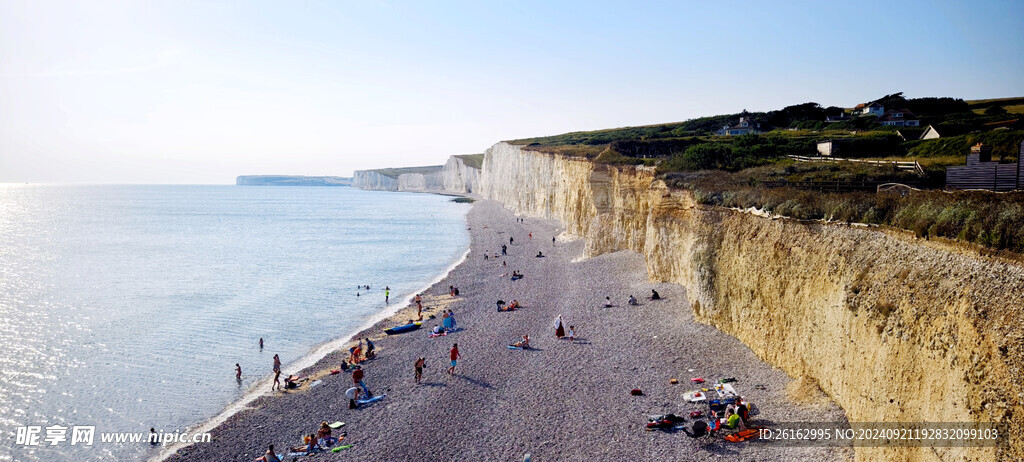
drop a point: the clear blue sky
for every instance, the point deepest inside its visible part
(199, 92)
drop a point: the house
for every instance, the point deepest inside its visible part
(828, 147)
(837, 118)
(981, 173)
(899, 118)
(744, 127)
(872, 108)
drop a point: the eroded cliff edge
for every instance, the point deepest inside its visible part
(892, 328)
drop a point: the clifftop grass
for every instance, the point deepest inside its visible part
(394, 172)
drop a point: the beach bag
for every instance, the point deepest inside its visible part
(636, 392)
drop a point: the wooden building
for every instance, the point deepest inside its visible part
(981, 173)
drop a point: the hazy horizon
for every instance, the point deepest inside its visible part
(201, 92)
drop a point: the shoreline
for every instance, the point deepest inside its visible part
(500, 389)
(305, 364)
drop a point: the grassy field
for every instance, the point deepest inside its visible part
(472, 160)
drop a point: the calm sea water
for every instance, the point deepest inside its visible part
(127, 307)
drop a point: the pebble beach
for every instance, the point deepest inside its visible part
(560, 400)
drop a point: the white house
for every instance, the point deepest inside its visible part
(744, 127)
(873, 108)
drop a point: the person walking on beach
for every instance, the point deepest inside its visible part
(559, 328)
(552, 240)
(504, 249)
(420, 363)
(357, 379)
(572, 334)
(510, 241)
(277, 373)
(454, 354)
(238, 372)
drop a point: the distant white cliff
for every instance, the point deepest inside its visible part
(461, 175)
(292, 180)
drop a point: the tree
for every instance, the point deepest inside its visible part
(995, 111)
(707, 156)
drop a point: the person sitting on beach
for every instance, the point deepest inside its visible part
(438, 330)
(742, 410)
(514, 305)
(369, 348)
(309, 445)
(608, 302)
(632, 301)
(357, 353)
(524, 343)
(733, 420)
(323, 435)
(500, 304)
(344, 365)
(540, 254)
(291, 382)
(269, 456)
(451, 320)
(654, 295)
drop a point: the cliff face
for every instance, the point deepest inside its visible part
(453, 177)
(370, 179)
(892, 328)
(459, 177)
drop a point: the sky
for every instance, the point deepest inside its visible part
(198, 92)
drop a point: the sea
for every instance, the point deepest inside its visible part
(126, 308)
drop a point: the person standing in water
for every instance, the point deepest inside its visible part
(261, 343)
(238, 372)
(387, 294)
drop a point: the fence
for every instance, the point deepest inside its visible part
(908, 166)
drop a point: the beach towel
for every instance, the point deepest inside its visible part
(370, 400)
(336, 425)
(697, 380)
(340, 448)
(695, 396)
(438, 335)
(743, 435)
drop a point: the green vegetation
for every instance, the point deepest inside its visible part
(394, 172)
(1005, 145)
(463, 200)
(988, 219)
(472, 160)
(753, 170)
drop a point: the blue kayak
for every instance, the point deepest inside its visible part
(403, 329)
